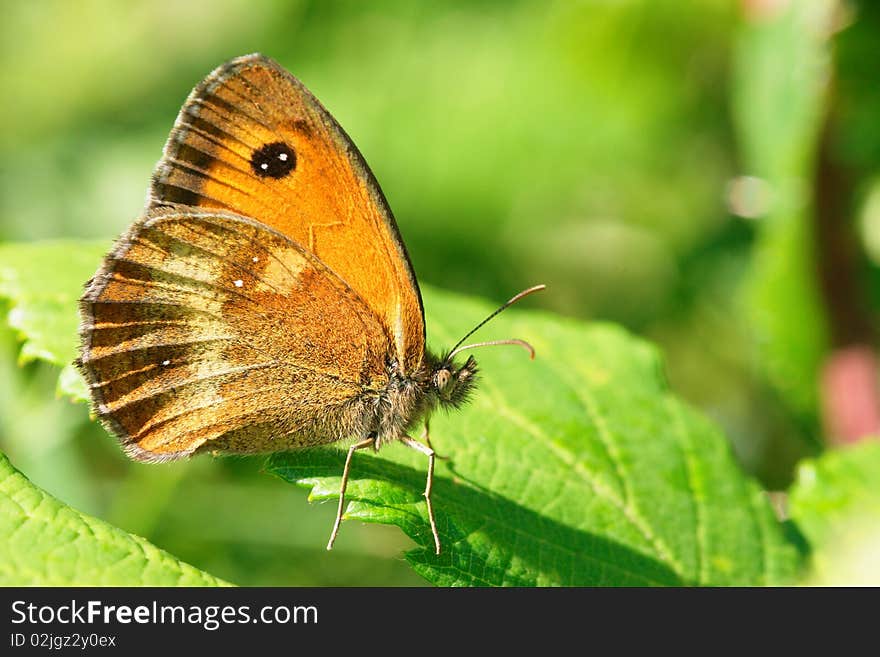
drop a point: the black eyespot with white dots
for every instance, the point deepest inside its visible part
(274, 160)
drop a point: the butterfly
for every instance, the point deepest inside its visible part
(264, 301)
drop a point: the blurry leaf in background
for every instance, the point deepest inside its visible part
(835, 502)
(43, 283)
(576, 469)
(855, 76)
(858, 131)
(780, 86)
(40, 432)
(47, 543)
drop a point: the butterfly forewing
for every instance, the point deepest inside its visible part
(208, 330)
(252, 140)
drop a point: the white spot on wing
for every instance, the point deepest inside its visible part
(166, 362)
(282, 157)
(238, 283)
(255, 259)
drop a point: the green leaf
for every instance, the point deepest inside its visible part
(43, 281)
(782, 65)
(835, 503)
(46, 543)
(578, 468)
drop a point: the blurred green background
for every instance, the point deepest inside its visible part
(651, 161)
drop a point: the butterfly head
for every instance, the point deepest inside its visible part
(452, 384)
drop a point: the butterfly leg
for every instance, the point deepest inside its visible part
(426, 436)
(427, 451)
(369, 442)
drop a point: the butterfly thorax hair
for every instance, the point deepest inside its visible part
(408, 399)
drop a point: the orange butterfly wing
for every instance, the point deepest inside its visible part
(209, 330)
(252, 140)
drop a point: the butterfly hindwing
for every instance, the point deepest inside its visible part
(209, 330)
(252, 140)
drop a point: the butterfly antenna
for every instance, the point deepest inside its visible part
(522, 343)
(458, 347)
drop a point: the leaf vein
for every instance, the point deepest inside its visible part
(698, 494)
